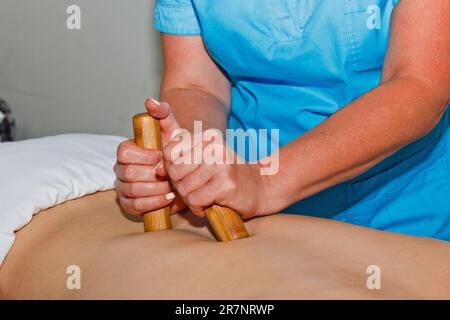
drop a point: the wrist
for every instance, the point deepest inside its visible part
(274, 197)
(268, 200)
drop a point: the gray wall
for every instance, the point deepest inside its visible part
(90, 80)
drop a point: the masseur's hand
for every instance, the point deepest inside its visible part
(139, 187)
(205, 171)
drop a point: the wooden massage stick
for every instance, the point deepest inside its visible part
(226, 223)
(147, 135)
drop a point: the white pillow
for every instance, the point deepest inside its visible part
(40, 173)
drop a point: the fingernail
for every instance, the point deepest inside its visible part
(157, 166)
(155, 101)
(170, 196)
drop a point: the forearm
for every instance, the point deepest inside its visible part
(355, 139)
(191, 105)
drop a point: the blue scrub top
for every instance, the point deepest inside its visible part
(292, 64)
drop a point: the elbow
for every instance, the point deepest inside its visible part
(436, 108)
(432, 115)
(431, 100)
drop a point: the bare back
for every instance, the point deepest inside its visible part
(287, 256)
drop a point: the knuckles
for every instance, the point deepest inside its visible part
(173, 173)
(193, 200)
(132, 190)
(123, 152)
(167, 152)
(129, 173)
(229, 186)
(129, 153)
(182, 190)
(129, 207)
(137, 205)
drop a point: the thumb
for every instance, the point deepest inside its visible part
(162, 111)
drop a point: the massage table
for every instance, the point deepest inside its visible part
(285, 257)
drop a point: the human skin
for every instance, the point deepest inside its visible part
(286, 257)
(410, 101)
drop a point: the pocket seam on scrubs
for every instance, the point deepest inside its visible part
(280, 9)
(358, 34)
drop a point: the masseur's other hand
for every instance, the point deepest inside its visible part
(139, 187)
(217, 178)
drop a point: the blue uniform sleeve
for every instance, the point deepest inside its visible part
(176, 17)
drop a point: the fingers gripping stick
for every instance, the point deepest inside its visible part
(226, 223)
(147, 135)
